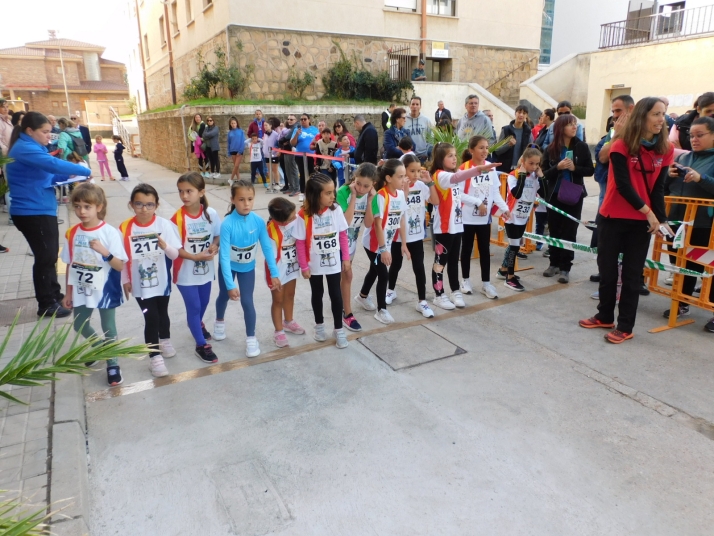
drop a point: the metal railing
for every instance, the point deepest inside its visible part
(666, 25)
(400, 58)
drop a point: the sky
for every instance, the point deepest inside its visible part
(99, 22)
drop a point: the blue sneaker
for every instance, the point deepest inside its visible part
(350, 322)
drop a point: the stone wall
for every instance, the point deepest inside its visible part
(162, 134)
(276, 53)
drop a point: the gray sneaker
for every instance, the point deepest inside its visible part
(551, 271)
(341, 338)
(564, 277)
(319, 333)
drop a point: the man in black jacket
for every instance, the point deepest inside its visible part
(367, 143)
(84, 131)
(441, 114)
(520, 136)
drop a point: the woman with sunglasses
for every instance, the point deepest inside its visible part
(632, 211)
(212, 148)
(340, 129)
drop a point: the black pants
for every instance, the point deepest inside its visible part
(629, 237)
(213, 158)
(564, 229)
(157, 324)
(483, 236)
(333, 289)
(515, 233)
(300, 161)
(446, 254)
(42, 235)
(378, 271)
(257, 167)
(416, 250)
(121, 168)
(699, 237)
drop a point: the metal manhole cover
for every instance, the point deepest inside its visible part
(9, 308)
(410, 347)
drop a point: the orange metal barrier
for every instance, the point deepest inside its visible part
(661, 253)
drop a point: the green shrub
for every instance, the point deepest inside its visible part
(218, 77)
(298, 84)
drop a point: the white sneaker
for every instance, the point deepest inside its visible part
(595, 295)
(166, 348)
(366, 303)
(252, 348)
(466, 287)
(443, 302)
(301, 198)
(219, 331)
(319, 333)
(423, 308)
(384, 317)
(340, 338)
(458, 299)
(669, 280)
(391, 296)
(489, 291)
(157, 367)
(216, 175)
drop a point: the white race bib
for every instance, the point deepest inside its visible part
(523, 209)
(243, 255)
(86, 278)
(456, 200)
(326, 246)
(289, 256)
(145, 246)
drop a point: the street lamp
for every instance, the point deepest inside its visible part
(53, 35)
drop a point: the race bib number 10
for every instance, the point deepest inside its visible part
(243, 255)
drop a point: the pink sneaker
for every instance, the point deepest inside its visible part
(293, 327)
(280, 339)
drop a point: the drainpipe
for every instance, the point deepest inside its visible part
(171, 52)
(141, 53)
(185, 141)
(423, 30)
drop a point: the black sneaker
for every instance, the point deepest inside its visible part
(206, 333)
(3, 249)
(205, 354)
(644, 291)
(595, 278)
(521, 255)
(114, 375)
(546, 253)
(55, 309)
(683, 311)
(514, 284)
(709, 326)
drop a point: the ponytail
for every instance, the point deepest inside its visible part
(31, 120)
(388, 169)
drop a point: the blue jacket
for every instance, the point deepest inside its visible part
(32, 176)
(243, 231)
(601, 169)
(236, 141)
(391, 142)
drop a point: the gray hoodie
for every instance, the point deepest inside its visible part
(478, 125)
(416, 128)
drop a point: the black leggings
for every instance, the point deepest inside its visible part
(121, 168)
(514, 233)
(377, 271)
(213, 158)
(157, 324)
(333, 289)
(416, 250)
(483, 235)
(446, 253)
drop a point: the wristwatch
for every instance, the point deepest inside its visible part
(429, 184)
(108, 259)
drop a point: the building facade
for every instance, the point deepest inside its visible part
(34, 73)
(463, 41)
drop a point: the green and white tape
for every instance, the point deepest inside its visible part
(545, 203)
(662, 267)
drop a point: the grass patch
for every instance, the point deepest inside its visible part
(281, 102)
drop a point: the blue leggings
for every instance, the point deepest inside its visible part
(196, 299)
(246, 285)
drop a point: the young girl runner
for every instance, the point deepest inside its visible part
(199, 229)
(321, 234)
(523, 185)
(241, 231)
(119, 159)
(418, 193)
(388, 207)
(101, 151)
(151, 243)
(355, 201)
(448, 221)
(281, 230)
(95, 256)
(479, 195)
(236, 146)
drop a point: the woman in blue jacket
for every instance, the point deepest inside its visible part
(31, 178)
(395, 133)
(236, 145)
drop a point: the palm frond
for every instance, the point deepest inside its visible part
(32, 524)
(41, 357)
(5, 160)
(447, 134)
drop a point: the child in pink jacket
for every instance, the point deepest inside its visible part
(101, 150)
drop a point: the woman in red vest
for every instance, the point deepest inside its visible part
(632, 211)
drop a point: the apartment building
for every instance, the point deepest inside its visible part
(34, 73)
(491, 43)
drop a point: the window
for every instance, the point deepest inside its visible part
(411, 5)
(55, 104)
(670, 18)
(207, 4)
(174, 18)
(162, 31)
(189, 13)
(59, 69)
(146, 47)
(441, 7)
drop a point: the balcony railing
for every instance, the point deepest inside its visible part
(660, 26)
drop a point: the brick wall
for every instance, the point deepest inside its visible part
(111, 74)
(22, 72)
(162, 139)
(55, 78)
